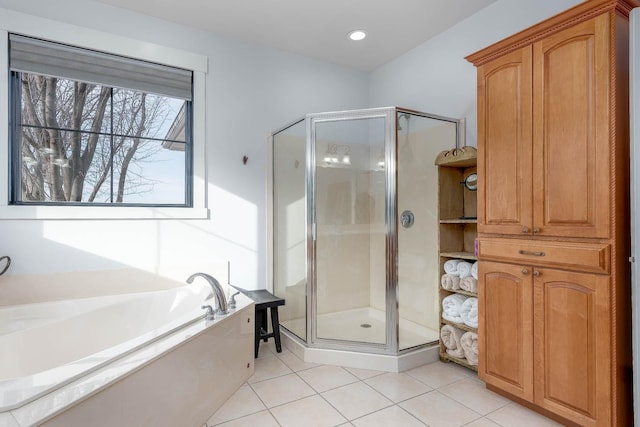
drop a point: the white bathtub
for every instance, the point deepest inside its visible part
(114, 360)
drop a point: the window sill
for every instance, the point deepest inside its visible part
(100, 213)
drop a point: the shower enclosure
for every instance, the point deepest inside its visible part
(355, 230)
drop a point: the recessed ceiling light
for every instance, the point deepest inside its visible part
(357, 35)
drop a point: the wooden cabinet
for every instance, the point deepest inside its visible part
(581, 256)
(505, 336)
(551, 322)
(572, 335)
(571, 124)
(553, 215)
(504, 124)
(531, 103)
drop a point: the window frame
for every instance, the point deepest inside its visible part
(15, 22)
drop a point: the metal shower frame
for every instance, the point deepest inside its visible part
(390, 115)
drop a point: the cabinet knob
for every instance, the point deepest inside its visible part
(525, 229)
(525, 271)
(536, 273)
(536, 230)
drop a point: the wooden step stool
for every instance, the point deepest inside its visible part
(265, 300)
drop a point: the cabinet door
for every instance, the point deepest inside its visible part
(504, 144)
(505, 328)
(572, 345)
(571, 131)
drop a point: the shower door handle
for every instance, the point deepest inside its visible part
(407, 219)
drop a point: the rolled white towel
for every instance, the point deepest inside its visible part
(451, 266)
(474, 270)
(469, 343)
(450, 282)
(450, 337)
(469, 312)
(469, 284)
(464, 269)
(451, 306)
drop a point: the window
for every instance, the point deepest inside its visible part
(91, 128)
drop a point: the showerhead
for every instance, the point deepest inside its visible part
(406, 117)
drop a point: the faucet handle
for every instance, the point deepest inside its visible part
(210, 313)
(232, 300)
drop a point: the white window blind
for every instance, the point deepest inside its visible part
(32, 55)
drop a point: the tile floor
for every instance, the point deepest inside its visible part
(285, 391)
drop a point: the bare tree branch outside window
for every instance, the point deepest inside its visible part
(81, 142)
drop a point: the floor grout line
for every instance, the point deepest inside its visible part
(464, 377)
(335, 409)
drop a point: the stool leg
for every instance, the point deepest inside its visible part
(265, 323)
(258, 327)
(275, 323)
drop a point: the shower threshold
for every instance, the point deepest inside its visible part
(352, 359)
(363, 325)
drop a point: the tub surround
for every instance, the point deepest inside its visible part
(84, 334)
(178, 381)
(169, 354)
(199, 366)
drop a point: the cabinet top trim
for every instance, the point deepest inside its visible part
(577, 14)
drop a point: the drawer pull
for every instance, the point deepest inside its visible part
(521, 252)
(536, 273)
(525, 271)
(525, 229)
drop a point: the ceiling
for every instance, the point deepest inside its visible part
(318, 28)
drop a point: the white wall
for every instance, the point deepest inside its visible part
(250, 91)
(435, 78)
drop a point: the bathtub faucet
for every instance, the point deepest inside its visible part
(218, 293)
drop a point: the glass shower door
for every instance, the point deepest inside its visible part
(289, 226)
(350, 243)
(419, 140)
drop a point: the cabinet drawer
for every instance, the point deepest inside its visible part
(572, 256)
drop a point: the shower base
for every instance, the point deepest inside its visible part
(363, 325)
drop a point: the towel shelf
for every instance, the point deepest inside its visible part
(458, 291)
(458, 221)
(459, 326)
(463, 362)
(469, 256)
(457, 212)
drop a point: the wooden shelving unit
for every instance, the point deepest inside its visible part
(448, 358)
(457, 232)
(459, 255)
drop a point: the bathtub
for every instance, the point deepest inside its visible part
(136, 359)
